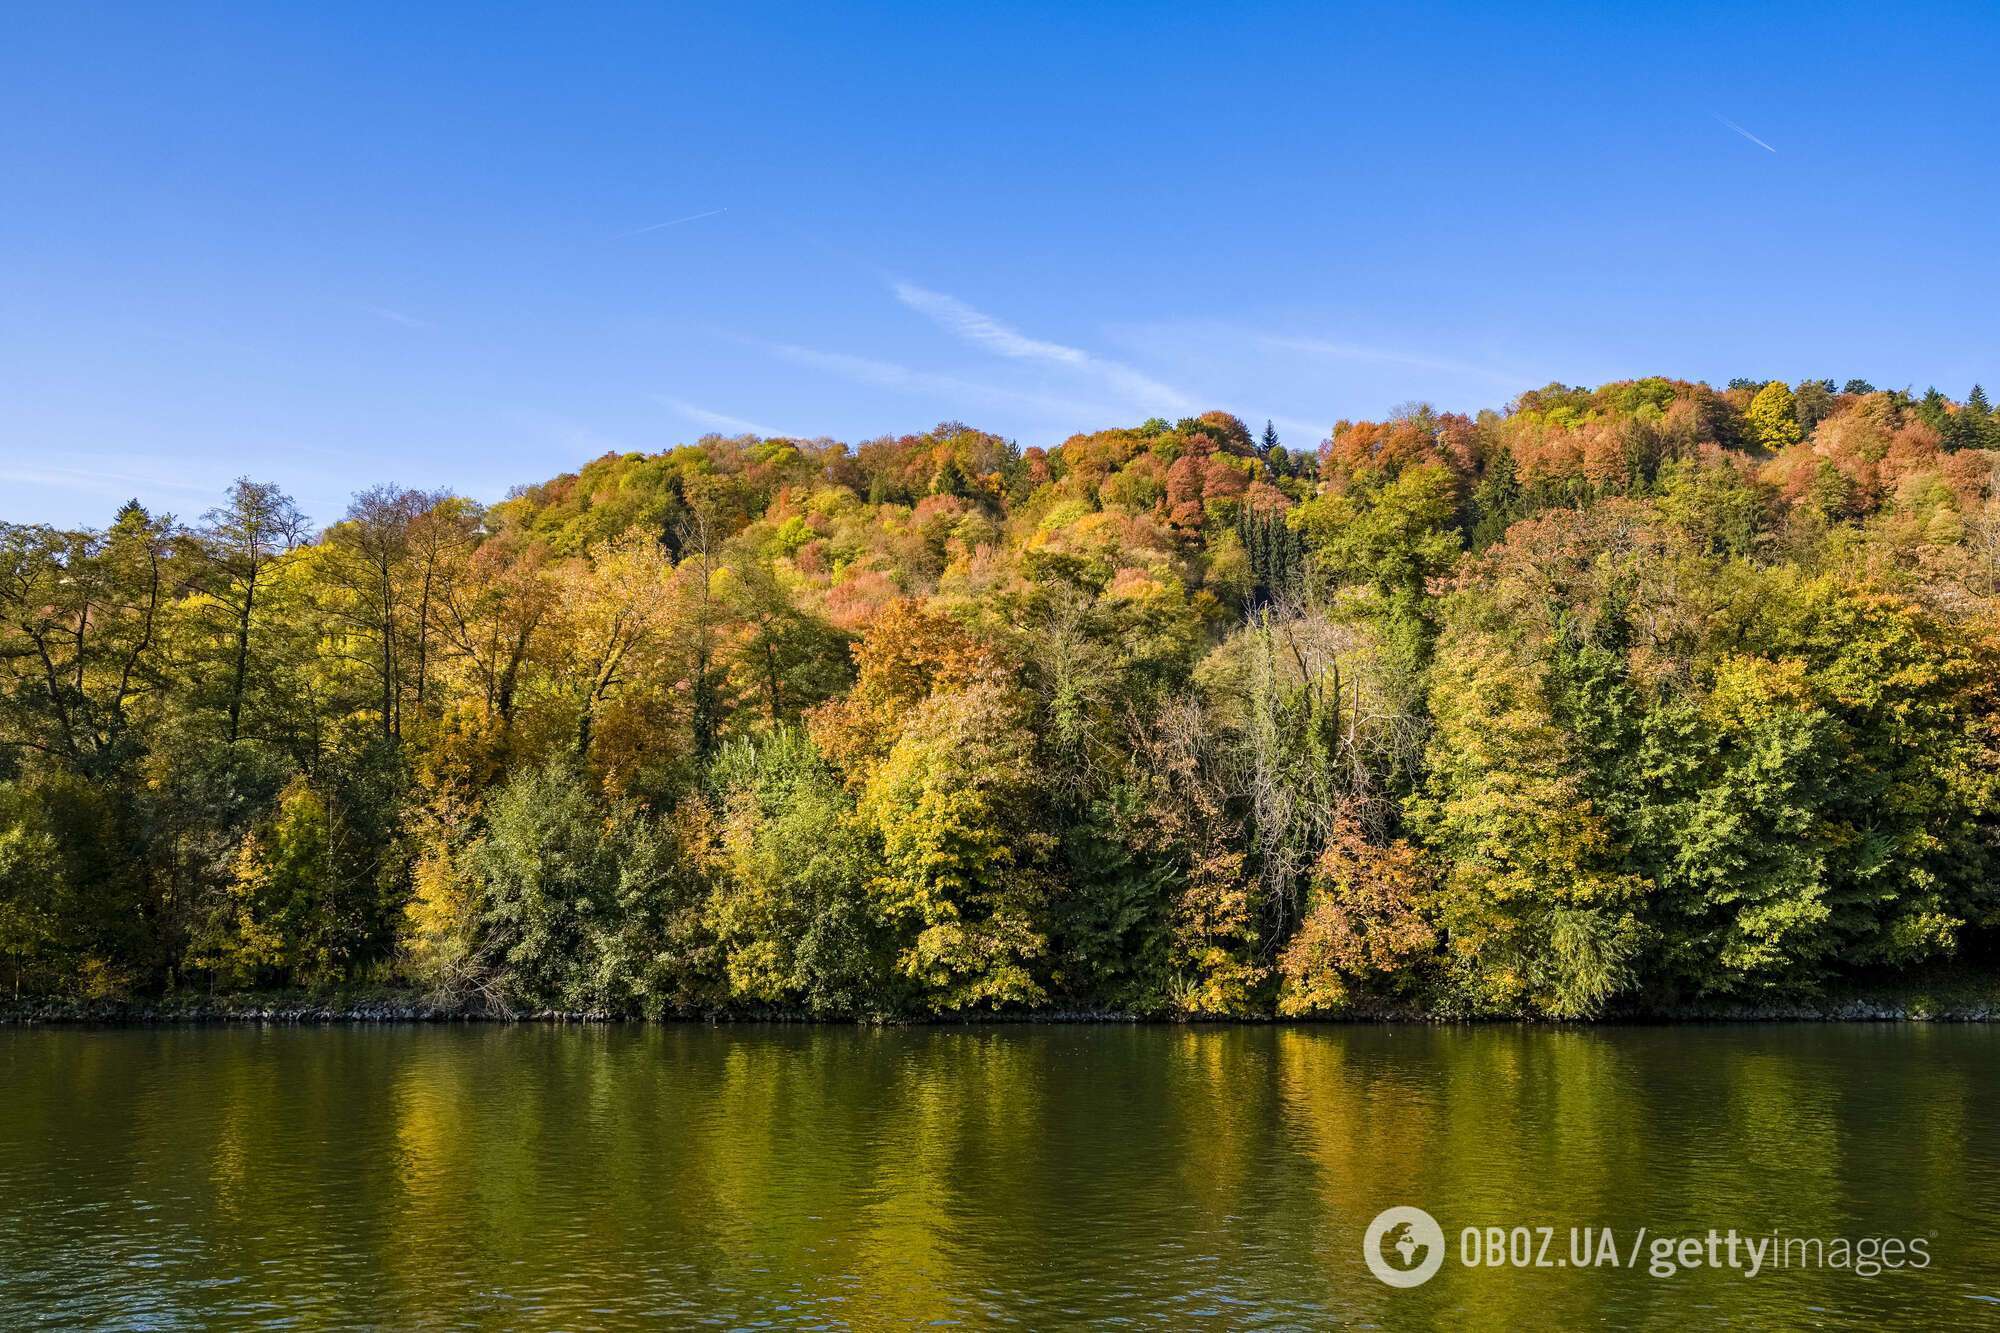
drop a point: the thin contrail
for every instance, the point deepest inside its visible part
(692, 217)
(1745, 133)
(395, 316)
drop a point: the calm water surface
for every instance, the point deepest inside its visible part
(538, 1177)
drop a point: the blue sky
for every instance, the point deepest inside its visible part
(470, 246)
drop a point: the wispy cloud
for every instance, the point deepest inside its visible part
(566, 432)
(951, 388)
(1385, 356)
(97, 481)
(670, 222)
(1745, 133)
(983, 330)
(396, 317)
(721, 421)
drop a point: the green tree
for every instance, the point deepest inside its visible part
(584, 905)
(1535, 910)
(963, 861)
(790, 905)
(32, 886)
(1392, 535)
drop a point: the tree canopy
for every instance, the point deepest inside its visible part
(1645, 694)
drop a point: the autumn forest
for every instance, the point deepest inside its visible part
(1649, 695)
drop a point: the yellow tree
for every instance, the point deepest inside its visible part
(1774, 417)
(612, 610)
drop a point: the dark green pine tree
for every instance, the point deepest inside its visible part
(1975, 427)
(1933, 412)
(1276, 554)
(1270, 440)
(1496, 501)
(1295, 557)
(950, 480)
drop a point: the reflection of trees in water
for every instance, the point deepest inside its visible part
(556, 1176)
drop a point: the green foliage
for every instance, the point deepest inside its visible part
(583, 904)
(1719, 507)
(962, 875)
(32, 885)
(1110, 929)
(1275, 554)
(790, 905)
(1391, 535)
(1535, 910)
(1648, 691)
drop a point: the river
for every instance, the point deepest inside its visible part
(1037, 1176)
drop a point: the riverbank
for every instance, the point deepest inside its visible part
(1946, 996)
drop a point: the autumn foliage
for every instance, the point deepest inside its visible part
(1636, 696)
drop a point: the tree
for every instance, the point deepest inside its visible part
(83, 621)
(790, 904)
(1277, 557)
(1309, 734)
(612, 608)
(240, 542)
(369, 555)
(1364, 925)
(1813, 402)
(278, 916)
(491, 616)
(584, 906)
(1973, 426)
(700, 621)
(1934, 410)
(789, 656)
(1390, 534)
(31, 883)
(441, 535)
(1535, 910)
(962, 870)
(908, 653)
(1192, 821)
(1773, 416)
(1497, 500)
(950, 479)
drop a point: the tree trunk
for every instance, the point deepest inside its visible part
(242, 659)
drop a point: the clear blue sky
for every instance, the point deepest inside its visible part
(331, 245)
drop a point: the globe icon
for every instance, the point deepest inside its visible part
(1408, 1246)
(1404, 1246)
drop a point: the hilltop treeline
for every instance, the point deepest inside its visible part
(1648, 694)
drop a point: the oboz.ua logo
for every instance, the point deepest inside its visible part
(1404, 1246)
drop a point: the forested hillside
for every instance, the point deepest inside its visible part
(1647, 695)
